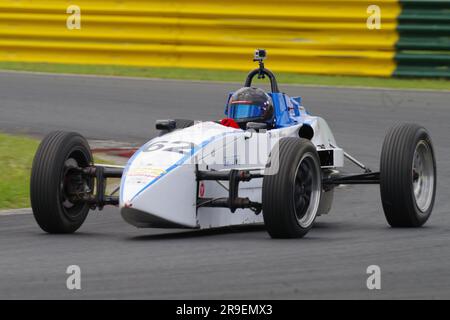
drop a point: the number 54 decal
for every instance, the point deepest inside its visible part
(182, 147)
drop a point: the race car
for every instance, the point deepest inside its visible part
(267, 162)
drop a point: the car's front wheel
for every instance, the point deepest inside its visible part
(57, 184)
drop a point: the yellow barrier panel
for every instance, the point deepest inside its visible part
(327, 37)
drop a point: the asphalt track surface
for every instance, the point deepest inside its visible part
(119, 261)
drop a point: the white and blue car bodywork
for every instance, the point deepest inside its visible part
(159, 186)
(214, 174)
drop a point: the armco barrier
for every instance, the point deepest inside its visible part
(424, 45)
(316, 36)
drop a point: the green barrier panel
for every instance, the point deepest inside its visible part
(423, 49)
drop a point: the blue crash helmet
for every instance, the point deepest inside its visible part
(250, 104)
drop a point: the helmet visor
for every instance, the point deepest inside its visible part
(241, 111)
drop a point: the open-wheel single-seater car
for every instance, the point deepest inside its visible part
(269, 161)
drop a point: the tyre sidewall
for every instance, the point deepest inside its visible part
(76, 144)
(421, 217)
(46, 182)
(396, 186)
(288, 164)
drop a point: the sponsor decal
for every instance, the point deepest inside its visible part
(201, 189)
(145, 172)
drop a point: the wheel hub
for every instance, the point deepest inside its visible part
(423, 176)
(306, 190)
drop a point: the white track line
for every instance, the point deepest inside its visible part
(15, 212)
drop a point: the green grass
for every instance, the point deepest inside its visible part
(223, 75)
(16, 156)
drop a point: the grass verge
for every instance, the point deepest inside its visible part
(16, 157)
(225, 75)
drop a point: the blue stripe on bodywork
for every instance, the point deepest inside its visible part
(172, 167)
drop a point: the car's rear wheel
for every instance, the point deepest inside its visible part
(56, 182)
(407, 176)
(291, 188)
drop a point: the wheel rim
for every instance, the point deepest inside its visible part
(423, 176)
(69, 165)
(76, 159)
(306, 190)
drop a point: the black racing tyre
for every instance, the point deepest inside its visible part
(179, 124)
(54, 166)
(291, 188)
(407, 176)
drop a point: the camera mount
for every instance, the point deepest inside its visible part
(259, 56)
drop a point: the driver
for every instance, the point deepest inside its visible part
(250, 104)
